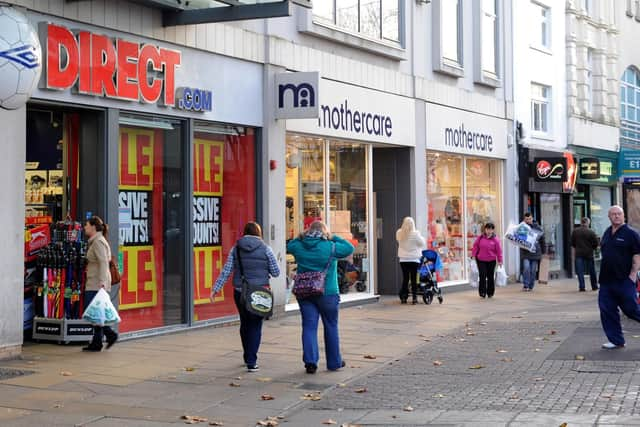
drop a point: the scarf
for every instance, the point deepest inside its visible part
(317, 234)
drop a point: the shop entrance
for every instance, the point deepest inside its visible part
(64, 173)
(392, 194)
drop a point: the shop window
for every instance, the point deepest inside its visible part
(463, 194)
(552, 217)
(309, 195)
(447, 40)
(224, 188)
(540, 106)
(151, 222)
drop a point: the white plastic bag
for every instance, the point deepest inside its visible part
(501, 276)
(523, 236)
(101, 311)
(474, 275)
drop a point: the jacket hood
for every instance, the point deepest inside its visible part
(311, 242)
(249, 243)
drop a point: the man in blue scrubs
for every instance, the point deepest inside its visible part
(620, 248)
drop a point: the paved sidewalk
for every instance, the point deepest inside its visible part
(390, 351)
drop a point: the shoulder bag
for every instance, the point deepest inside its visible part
(311, 283)
(113, 269)
(257, 299)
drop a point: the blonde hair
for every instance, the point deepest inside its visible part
(408, 226)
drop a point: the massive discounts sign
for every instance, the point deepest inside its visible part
(140, 227)
(96, 65)
(207, 211)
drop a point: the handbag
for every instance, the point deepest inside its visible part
(257, 299)
(311, 283)
(113, 269)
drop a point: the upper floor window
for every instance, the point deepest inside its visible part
(630, 107)
(542, 26)
(489, 36)
(540, 107)
(589, 81)
(588, 7)
(450, 31)
(378, 19)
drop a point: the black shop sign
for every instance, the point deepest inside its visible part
(549, 169)
(589, 168)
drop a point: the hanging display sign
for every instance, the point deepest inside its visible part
(569, 184)
(94, 64)
(207, 208)
(590, 168)
(549, 169)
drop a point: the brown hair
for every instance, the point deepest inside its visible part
(252, 229)
(100, 225)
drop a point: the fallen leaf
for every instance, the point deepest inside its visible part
(538, 338)
(462, 340)
(264, 380)
(471, 333)
(193, 419)
(426, 340)
(500, 350)
(361, 390)
(370, 356)
(506, 359)
(635, 336)
(329, 422)
(171, 377)
(267, 397)
(439, 395)
(238, 378)
(342, 385)
(355, 366)
(563, 425)
(234, 384)
(483, 323)
(58, 405)
(349, 425)
(553, 332)
(189, 369)
(422, 335)
(516, 317)
(579, 357)
(514, 397)
(437, 363)
(408, 408)
(538, 379)
(66, 373)
(216, 423)
(476, 367)
(536, 349)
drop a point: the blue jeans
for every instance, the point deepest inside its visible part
(250, 331)
(530, 269)
(586, 264)
(325, 306)
(612, 296)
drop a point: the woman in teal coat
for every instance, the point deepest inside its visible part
(312, 250)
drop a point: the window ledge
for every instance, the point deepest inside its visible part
(542, 135)
(541, 49)
(447, 68)
(391, 50)
(489, 79)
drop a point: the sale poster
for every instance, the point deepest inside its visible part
(140, 228)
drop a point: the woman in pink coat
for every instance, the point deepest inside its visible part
(487, 251)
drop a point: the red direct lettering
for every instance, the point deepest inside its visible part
(127, 69)
(103, 60)
(84, 84)
(61, 76)
(171, 60)
(150, 89)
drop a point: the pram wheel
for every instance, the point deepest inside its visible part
(427, 297)
(440, 299)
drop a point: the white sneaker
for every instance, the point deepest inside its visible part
(610, 346)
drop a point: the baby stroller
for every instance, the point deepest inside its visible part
(429, 263)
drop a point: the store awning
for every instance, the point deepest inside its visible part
(188, 12)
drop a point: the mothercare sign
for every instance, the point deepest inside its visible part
(462, 132)
(352, 112)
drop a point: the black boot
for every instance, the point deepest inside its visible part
(96, 341)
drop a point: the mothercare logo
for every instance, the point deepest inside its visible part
(357, 120)
(297, 95)
(468, 140)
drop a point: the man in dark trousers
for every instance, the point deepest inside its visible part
(583, 242)
(531, 260)
(620, 247)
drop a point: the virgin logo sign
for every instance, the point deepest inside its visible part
(550, 169)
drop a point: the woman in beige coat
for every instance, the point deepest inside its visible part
(98, 276)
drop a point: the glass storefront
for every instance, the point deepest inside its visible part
(330, 177)
(463, 194)
(224, 185)
(600, 202)
(551, 214)
(151, 217)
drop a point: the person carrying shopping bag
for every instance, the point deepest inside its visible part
(98, 277)
(253, 260)
(487, 251)
(316, 250)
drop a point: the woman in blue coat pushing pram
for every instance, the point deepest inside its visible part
(429, 264)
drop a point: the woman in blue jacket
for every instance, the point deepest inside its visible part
(312, 250)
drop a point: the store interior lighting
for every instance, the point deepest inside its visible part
(219, 129)
(148, 123)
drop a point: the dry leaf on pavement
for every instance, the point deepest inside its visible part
(311, 396)
(342, 385)
(234, 384)
(553, 332)
(267, 397)
(437, 363)
(349, 425)
(476, 367)
(189, 369)
(264, 380)
(408, 408)
(439, 395)
(66, 373)
(329, 422)
(563, 425)
(216, 423)
(536, 349)
(516, 317)
(506, 359)
(361, 390)
(370, 356)
(483, 323)
(355, 366)
(579, 357)
(501, 350)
